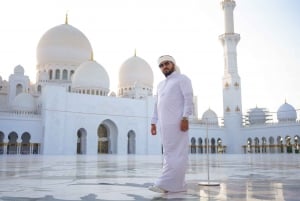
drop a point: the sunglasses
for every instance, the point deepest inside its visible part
(164, 64)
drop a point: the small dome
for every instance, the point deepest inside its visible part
(257, 116)
(63, 44)
(24, 102)
(19, 70)
(90, 75)
(286, 112)
(210, 117)
(135, 70)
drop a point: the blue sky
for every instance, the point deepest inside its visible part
(268, 52)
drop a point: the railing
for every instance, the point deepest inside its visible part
(10, 114)
(19, 148)
(202, 149)
(273, 148)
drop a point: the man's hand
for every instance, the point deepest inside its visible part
(184, 125)
(153, 129)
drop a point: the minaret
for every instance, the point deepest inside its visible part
(232, 103)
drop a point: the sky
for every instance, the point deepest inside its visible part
(268, 54)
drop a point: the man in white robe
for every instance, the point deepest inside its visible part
(173, 106)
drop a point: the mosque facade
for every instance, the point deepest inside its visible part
(70, 109)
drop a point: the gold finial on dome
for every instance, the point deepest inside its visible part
(135, 52)
(66, 20)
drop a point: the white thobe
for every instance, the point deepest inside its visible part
(174, 101)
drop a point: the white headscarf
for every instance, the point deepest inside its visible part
(168, 58)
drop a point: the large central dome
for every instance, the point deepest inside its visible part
(63, 44)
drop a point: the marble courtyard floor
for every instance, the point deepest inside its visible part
(249, 177)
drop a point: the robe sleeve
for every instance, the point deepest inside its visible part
(154, 116)
(187, 92)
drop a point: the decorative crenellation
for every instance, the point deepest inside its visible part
(237, 109)
(226, 85)
(227, 109)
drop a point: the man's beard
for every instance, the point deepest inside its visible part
(169, 72)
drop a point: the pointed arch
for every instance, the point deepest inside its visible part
(193, 145)
(65, 74)
(12, 146)
(280, 144)
(296, 144)
(249, 145)
(272, 144)
(220, 148)
(103, 139)
(206, 143)
(263, 145)
(131, 142)
(57, 74)
(107, 137)
(19, 89)
(81, 141)
(50, 74)
(288, 144)
(25, 144)
(39, 89)
(71, 74)
(2, 142)
(256, 145)
(213, 145)
(200, 146)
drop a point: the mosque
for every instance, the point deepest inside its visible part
(70, 109)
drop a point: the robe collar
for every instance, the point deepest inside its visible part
(174, 74)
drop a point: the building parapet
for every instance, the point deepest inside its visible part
(21, 115)
(273, 124)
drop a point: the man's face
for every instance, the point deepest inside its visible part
(167, 67)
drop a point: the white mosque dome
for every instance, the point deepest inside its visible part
(257, 116)
(210, 117)
(90, 75)
(286, 112)
(24, 102)
(19, 70)
(135, 70)
(63, 44)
